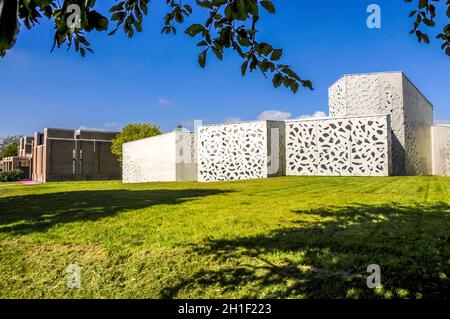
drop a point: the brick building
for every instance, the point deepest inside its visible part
(68, 155)
(22, 161)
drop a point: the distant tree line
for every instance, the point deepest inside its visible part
(9, 146)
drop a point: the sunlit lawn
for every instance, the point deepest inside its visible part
(299, 237)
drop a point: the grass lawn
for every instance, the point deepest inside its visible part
(295, 237)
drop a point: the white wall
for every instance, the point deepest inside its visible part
(239, 151)
(441, 149)
(418, 122)
(411, 114)
(150, 159)
(232, 151)
(347, 146)
(186, 156)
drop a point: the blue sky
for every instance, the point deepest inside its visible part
(156, 78)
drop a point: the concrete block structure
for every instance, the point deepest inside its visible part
(411, 114)
(380, 124)
(165, 157)
(440, 135)
(241, 151)
(350, 146)
(68, 155)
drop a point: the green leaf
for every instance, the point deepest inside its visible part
(265, 48)
(9, 25)
(242, 9)
(188, 8)
(219, 3)
(423, 3)
(202, 43)
(277, 80)
(268, 5)
(276, 54)
(217, 52)
(202, 59)
(291, 73)
(117, 7)
(294, 86)
(307, 84)
(244, 68)
(194, 29)
(253, 7)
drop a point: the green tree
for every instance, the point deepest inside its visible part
(133, 132)
(9, 146)
(229, 25)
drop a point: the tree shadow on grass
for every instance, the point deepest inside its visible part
(328, 256)
(38, 212)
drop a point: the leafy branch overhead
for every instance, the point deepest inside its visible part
(425, 14)
(229, 25)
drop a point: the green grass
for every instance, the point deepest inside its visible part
(292, 237)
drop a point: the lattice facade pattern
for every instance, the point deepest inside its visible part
(389, 93)
(337, 98)
(338, 147)
(132, 169)
(232, 152)
(446, 171)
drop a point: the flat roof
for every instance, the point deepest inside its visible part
(385, 72)
(242, 122)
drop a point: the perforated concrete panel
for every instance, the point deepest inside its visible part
(411, 114)
(241, 151)
(351, 146)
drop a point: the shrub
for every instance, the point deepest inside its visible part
(11, 176)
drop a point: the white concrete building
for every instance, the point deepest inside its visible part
(339, 146)
(241, 151)
(440, 136)
(165, 157)
(411, 114)
(380, 124)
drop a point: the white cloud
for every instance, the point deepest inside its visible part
(232, 119)
(278, 115)
(164, 101)
(316, 114)
(442, 122)
(110, 126)
(275, 115)
(90, 128)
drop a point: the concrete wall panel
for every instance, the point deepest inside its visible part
(166, 157)
(418, 122)
(411, 114)
(441, 149)
(240, 151)
(348, 146)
